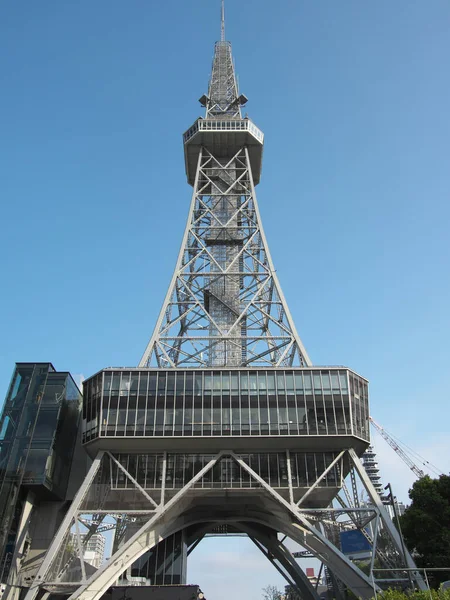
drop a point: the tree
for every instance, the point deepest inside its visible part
(426, 525)
(271, 592)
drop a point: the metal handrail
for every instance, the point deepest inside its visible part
(223, 125)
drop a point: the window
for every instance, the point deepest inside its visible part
(262, 383)
(307, 383)
(124, 384)
(326, 384)
(244, 383)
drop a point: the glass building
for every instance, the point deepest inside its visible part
(167, 424)
(38, 433)
(298, 404)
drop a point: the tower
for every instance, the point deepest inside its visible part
(225, 425)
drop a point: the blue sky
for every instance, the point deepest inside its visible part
(353, 99)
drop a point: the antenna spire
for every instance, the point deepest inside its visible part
(222, 24)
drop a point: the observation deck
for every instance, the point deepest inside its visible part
(316, 408)
(265, 415)
(223, 138)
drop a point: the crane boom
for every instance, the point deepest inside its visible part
(393, 444)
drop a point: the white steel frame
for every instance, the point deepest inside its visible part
(224, 305)
(223, 98)
(307, 526)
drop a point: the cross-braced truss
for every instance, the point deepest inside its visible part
(223, 100)
(145, 517)
(224, 305)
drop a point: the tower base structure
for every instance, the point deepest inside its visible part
(180, 453)
(226, 491)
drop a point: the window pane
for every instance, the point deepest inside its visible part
(143, 382)
(289, 383)
(152, 384)
(207, 383)
(307, 382)
(161, 383)
(280, 382)
(115, 382)
(298, 382)
(107, 382)
(335, 381)
(326, 381)
(262, 384)
(343, 380)
(170, 383)
(125, 384)
(234, 381)
(244, 381)
(317, 384)
(225, 381)
(134, 382)
(198, 387)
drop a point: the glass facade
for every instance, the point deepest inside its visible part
(147, 470)
(118, 486)
(38, 427)
(38, 432)
(174, 403)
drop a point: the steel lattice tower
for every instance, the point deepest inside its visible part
(224, 306)
(225, 427)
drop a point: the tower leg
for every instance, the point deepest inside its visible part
(64, 528)
(12, 589)
(387, 522)
(266, 540)
(312, 528)
(288, 518)
(154, 530)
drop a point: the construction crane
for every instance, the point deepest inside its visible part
(396, 446)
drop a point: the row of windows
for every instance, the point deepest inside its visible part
(206, 421)
(230, 124)
(235, 410)
(147, 470)
(206, 382)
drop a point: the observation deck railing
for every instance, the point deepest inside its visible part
(225, 126)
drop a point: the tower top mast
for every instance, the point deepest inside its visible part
(223, 100)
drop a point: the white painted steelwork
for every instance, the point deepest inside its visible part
(224, 311)
(315, 529)
(224, 306)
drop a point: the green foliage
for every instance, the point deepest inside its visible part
(271, 592)
(392, 594)
(425, 595)
(364, 565)
(426, 525)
